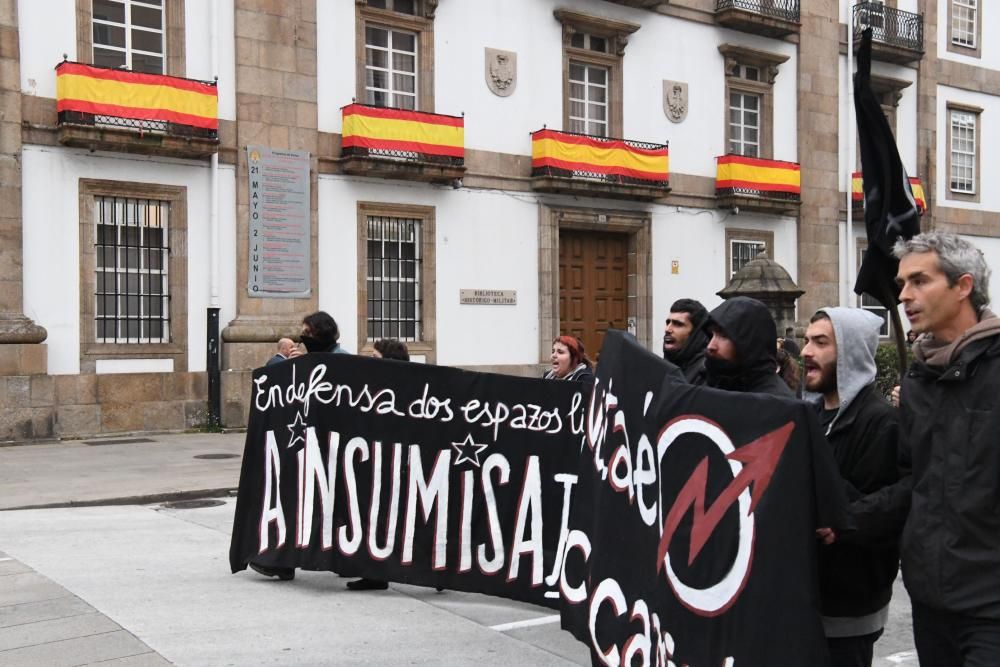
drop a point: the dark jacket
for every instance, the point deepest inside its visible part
(691, 358)
(748, 323)
(582, 373)
(276, 359)
(949, 446)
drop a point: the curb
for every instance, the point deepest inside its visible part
(151, 499)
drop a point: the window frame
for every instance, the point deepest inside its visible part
(587, 121)
(176, 349)
(976, 112)
(735, 58)
(427, 346)
(174, 63)
(421, 25)
(389, 69)
(751, 235)
(861, 246)
(962, 49)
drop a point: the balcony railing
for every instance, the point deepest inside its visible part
(786, 10)
(567, 161)
(858, 192)
(756, 183)
(890, 26)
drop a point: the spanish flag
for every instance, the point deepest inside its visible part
(756, 175)
(615, 157)
(124, 94)
(383, 128)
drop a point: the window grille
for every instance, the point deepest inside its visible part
(963, 23)
(963, 152)
(395, 268)
(129, 34)
(390, 67)
(744, 123)
(742, 251)
(588, 99)
(132, 296)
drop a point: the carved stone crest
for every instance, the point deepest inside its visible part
(675, 100)
(501, 71)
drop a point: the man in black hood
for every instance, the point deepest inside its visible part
(741, 352)
(684, 339)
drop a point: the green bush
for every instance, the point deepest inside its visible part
(887, 364)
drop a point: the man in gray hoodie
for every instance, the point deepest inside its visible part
(861, 428)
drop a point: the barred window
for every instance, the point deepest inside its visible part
(130, 34)
(963, 152)
(588, 97)
(743, 251)
(390, 67)
(132, 287)
(963, 23)
(395, 268)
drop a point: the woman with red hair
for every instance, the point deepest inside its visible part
(569, 361)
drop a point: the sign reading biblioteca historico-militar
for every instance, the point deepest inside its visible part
(669, 524)
(280, 220)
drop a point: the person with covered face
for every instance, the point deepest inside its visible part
(741, 354)
(570, 361)
(861, 429)
(684, 339)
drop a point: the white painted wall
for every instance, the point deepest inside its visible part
(198, 54)
(990, 17)
(989, 139)
(52, 241)
(462, 31)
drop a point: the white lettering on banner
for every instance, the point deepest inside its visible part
(553, 578)
(465, 525)
(433, 496)
(374, 550)
(349, 546)
(529, 508)
(493, 565)
(314, 476)
(272, 478)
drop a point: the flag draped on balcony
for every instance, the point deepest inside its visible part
(563, 154)
(916, 187)
(391, 131)
(122, 94)
(891, 211)
(757, 177)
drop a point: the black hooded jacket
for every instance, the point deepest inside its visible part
(749, 324)
(691, 358)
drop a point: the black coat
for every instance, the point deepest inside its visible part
(691, 358)
(856, 580)
(949, 445)
(749, 324)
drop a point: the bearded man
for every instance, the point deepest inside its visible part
(685, 339)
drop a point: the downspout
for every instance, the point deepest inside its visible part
(850, 262)
(213, 352)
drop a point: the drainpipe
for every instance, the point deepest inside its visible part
(850, 263)
(212, 334)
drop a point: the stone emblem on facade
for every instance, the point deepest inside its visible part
(675, 100)
(501, 71)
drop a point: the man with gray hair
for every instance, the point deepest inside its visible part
(950, 440)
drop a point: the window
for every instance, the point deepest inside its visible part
(593, 50)
(870, 303)
(588, 99)
(743, 246)
(132, 300)
(394, 273)
(965, 28)
(141, 35)
(390, 67)
(963, 152)
(396, 276)
(133, 272)
(395, 54)
(750, 77)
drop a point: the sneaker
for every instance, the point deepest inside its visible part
(282, 573)
(367, 585)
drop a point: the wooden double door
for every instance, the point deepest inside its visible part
(593, 285)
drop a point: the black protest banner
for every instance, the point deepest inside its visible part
(691, 534)
(409, 473)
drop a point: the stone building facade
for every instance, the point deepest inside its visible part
(534, 205)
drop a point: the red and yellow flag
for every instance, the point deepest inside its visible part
(756, 174)
(574, 152)
(401, 130)
(123, 94)
(916, 187)
(857, 187)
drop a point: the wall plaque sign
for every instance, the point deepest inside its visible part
(488, 297)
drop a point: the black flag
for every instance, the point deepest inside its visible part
(891, 212)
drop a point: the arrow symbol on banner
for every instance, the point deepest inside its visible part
(760, 458)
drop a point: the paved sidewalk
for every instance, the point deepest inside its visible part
(121, 471)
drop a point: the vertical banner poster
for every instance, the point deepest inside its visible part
(280, 223)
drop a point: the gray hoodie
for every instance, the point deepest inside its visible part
(856, 331)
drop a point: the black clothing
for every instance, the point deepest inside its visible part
(856, 580)
(852, 651)
(947, 638)
(582, 373)
(749, 325)
(826, 416)
(691, 358)
(276, 359)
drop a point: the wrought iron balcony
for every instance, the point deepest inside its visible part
(772, 18)
(112, 109)
(897, 36)
(399, 143)
(756, 184)
(596, 166)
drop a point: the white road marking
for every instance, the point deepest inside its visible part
(543, 620)
(901, 657)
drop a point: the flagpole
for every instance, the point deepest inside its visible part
(850, 261)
